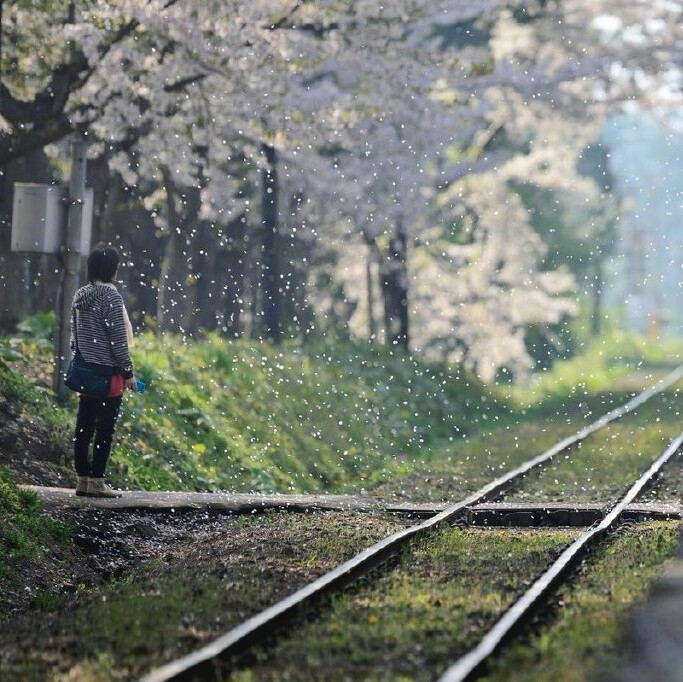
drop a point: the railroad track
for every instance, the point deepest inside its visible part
(211, 662)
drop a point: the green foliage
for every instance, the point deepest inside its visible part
(574, 232)
(601, 362)
(33, 399)
(13, 386)
(585, 642)
(222, 414)
(9, 354)
(24, 533)
(46, 600)
(38, 327)
(233, 414)
(34, 337)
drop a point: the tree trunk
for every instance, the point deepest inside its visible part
(108, 187)
(207, 299)
(596, 312)
(233, 265)
(169, 284)
(370, 291)
(127, 224)
(394, 279)
(190, 262)
(177, 297)
(270, 280)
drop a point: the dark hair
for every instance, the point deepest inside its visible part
(103, 262)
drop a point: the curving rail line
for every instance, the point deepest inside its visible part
(206, 663)
(473, 663)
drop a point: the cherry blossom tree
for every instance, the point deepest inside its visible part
(394, 137)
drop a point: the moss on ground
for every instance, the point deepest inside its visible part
(581, 641)
(217, 573)
(407, 623)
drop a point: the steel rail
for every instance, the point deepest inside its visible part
(474, 662)
(204, 664)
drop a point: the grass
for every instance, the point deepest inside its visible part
(433, 606)
(25, 534)
(607, 462)
(233, 415)
(414, 622)
(25, 369)
(602, 363)
(203, 585)
(582, 640)
(597, 469)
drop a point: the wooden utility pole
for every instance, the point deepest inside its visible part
(270, 247)
(71, 261)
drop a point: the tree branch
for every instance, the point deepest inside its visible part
(19, 144)
(183, 82)
(66, 79)
(284, 18)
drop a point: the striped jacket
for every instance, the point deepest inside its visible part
(97, 315)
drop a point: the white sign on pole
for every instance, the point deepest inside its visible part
(39, 216)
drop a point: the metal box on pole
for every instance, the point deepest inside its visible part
(46, 219)
(39, 218)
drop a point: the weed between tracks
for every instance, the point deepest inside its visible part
(600, 468)
(583, 637)
(432, 607)
(411, 623)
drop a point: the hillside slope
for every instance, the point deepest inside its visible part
(236, 415)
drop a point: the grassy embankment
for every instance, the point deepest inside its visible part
(236, 416)
(24, 535)
(244, 416)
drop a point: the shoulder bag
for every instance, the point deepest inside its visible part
(85, 377)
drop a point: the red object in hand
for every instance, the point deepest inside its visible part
(116, 386)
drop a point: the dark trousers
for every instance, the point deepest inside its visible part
(96, 416)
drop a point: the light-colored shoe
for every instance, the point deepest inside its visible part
(98, 488)
(82, 485)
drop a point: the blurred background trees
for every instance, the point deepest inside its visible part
(433, 175)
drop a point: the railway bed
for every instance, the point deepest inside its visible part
(508, 507)
(213, 661)
(492, 514)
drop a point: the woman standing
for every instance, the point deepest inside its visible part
(101, 333)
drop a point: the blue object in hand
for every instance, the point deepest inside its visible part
(140, 386)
